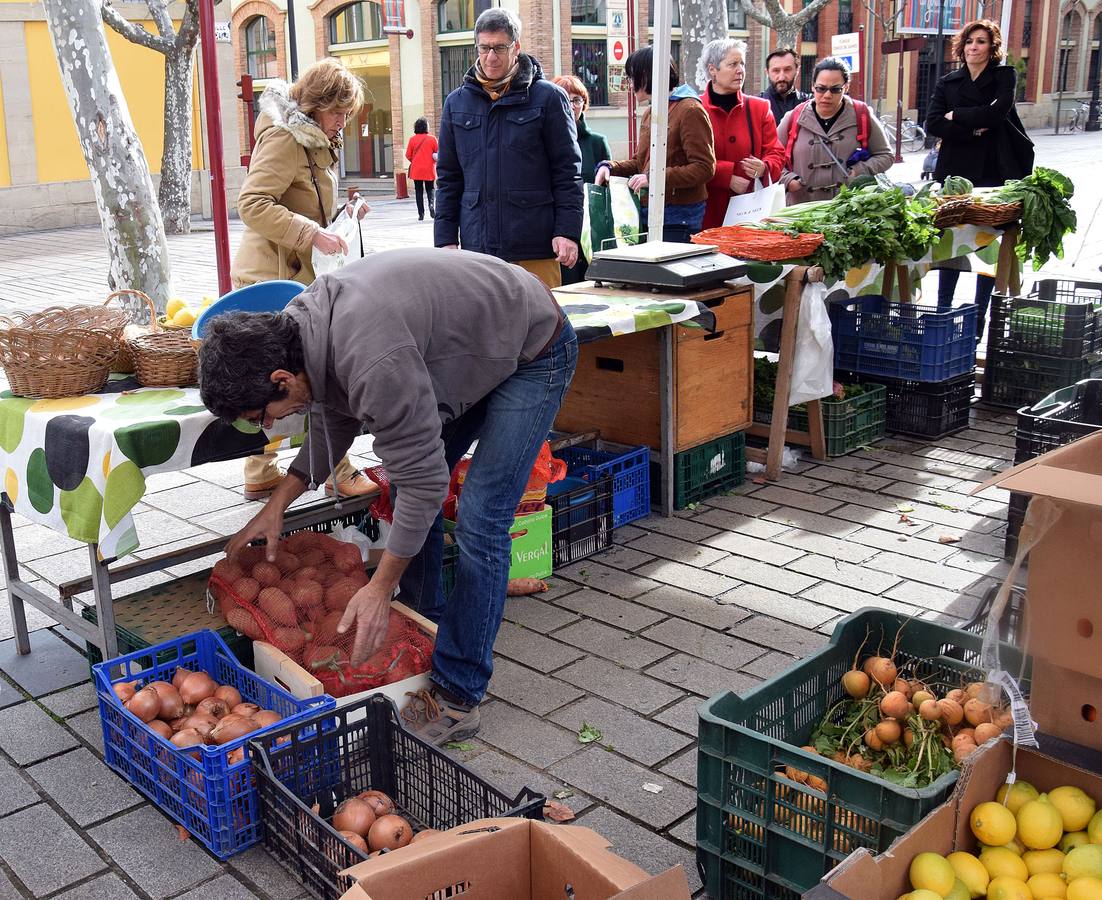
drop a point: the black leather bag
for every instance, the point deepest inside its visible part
(1013, 149)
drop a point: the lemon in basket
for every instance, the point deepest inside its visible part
(932, 872)
(1007, 888)
(174, 306)
(184, 317)
(1085, 889)
(1002, 862)
(1040, 825)
(1021, 792)
(971, 871)
(1084, 862)
(993, 824)
(1047, 885)
(1076, 806)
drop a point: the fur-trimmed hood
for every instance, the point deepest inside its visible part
(278, 110)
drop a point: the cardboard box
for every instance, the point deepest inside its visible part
(531, 534)
(511, 859)
(863, 876)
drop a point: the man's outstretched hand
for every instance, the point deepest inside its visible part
(367, 617)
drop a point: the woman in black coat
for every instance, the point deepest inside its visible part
(972, 111)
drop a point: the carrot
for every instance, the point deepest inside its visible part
(520, 587)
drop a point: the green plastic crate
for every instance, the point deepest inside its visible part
(847, 424)
(703, 471)
(761, 835)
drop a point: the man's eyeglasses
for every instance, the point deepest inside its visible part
(577, 101)
(828, 89)
(495, 49)
(257, 421)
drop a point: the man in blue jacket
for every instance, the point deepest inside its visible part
(509, 171)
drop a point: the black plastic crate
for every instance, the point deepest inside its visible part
(581, 520)
(1021, 379)
(1068, 291)
(1060, 418)
(1012, 621)
(355, 748)
(1068, 328)
(924, 409)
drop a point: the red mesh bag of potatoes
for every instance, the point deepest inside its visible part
(296, 603)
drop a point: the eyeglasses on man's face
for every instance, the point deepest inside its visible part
(495, 49)
(829, 88)
(257, 421)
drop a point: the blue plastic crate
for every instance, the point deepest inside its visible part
(877, 336)
(629, 468)
(213, 799)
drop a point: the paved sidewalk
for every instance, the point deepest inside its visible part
(632, 640)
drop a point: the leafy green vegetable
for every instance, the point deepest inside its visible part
(587, 734)
(1046, 213)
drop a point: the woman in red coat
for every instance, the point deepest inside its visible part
(745, 132)
(421, 153)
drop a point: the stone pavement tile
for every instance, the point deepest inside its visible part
(853, 462)
(533, 649)
(511, 777)
(145, 845)
(909, 544)
(228, 521)
(704, 643)
(849, 477)
(979, 563)
(793, 482)
(630, 689)
(683, 715)
(36, 620)
(700, 676)
(680, 551)
(612, 610)
(229, 473)
(778, 635)
(103, 887)
(683, 768)
(618, 782)
(59, 568)
(557, 587)
(590, 573)
(992, 544)
(677, 526)
(537, 614)
(28, 734)
(810, 542)
(628, 733)
(162, 481)
(740, 524)
(700, 581)
(83, 786)
(621, 647)
(156, 527)
(860, 577)
(771, 664)
(530, 690)
(15, 791)
(878, 518)
(43, 851)
(747, 506)
(194, 500)
(51, 665)
(939, 497)
(694, 607)
(642, 846)
(917, 476)
(685, 831)
(926, 572)
(959, 457)
(89, 727)
(519, 733)
(781, 606)
(224, 887)
(71, 701)
(999, 439)
(925, 596)
(763, 574)
(625, 534)
(753, 548)
(809, 521)
(620, 556)
(35, 541)
(818, 503)
(261, 870)
(848, 599)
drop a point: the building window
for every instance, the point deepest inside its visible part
(676, 23)
(459, 15)
(454, 63)
(845, 16)
(356, 22)
(811, 29)
(1023, 79)
(1062, 79)
(588, 62)
(587, 12)
(807, 71)
(736, 15)
(260, 48)
(1027, 23)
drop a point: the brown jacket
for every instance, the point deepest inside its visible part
(278, 201)
(690, 154)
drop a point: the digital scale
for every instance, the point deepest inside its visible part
(664, 265)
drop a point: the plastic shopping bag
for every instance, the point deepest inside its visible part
(756, 205)
(610, 217)
(813, 368)
(346, 226)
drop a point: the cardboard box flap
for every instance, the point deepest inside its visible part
(1067, 473)
(670, 885)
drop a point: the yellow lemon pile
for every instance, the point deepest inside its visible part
(179, 313)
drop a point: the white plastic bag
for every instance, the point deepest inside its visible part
(347, 227)
(756, 205)
(813, 367)
(371, 549)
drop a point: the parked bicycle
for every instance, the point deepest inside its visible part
(914, 135)
(1079, 116)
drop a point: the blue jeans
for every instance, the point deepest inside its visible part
(681, 221)
(510, 424)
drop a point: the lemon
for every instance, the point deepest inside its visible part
(1000, 861)
(1039, 861)
(932, 872)
(992, 824)
(971, 871)
(174, 306)
(1006, 888)
(1085, 889)
(1084, 862)
(959, 892)
(1073, 839)
(207, 301)
(184, 316)
(1040, 825)
(1094, 828)
(1021, 792)
(923, 895)
(1076, 806)
(1047, 885)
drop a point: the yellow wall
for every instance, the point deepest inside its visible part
(141, 73)
(5, 173)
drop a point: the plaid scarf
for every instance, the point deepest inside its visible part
(496, 89)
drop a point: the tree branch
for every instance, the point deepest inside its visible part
(754, 13)
(134, 33)
(188, 34)
(158, 9)
(809, 12)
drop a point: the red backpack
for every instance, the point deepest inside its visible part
(794, 129)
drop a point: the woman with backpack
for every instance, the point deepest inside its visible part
(831, 139)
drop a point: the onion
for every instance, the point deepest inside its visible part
(161, 728)
(389, 833)
(178, 723)
(231, 728)
(197, 686)
(145, 704)
(881, 670)
(236, 755)
(355, 840)
(356, 816)
(228, 694)
(266, 717)
(188, 737)
(172, 705)
(180, 676)
(379, 802)
(855, 683)
(202, 723)
(424, 833)
(895, 705)
(124, 690)
(212, 706)
(248, 710)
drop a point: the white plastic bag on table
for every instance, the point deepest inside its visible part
(756, 205)
(346, 227)
(813, 367)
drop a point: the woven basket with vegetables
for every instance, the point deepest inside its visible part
(141, 318)
(745, 242)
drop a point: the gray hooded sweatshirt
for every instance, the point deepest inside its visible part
(402, 342)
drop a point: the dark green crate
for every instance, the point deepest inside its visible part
(703, 471)
(761, 835)
(1021, 379)
(847, 424)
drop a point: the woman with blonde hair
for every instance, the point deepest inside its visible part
(288, 198)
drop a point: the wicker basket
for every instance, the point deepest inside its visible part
(951, 210)
(165, 359)
(59, 352)
(991, 214)
(139, 310)
(758, 243)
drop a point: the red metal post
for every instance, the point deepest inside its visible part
(899, 107)
(214, 144)
(631, 93)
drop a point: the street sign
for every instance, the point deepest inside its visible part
(616, 50)
(910, 45)
(920, 16)
(847, 47)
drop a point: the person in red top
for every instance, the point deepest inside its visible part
(421, 153)
(745, 132)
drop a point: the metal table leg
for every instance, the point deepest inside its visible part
(665, 377)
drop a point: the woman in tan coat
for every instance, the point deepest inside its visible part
(288, 198)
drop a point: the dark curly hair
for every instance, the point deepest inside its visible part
(239, 353)
(993, 34)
